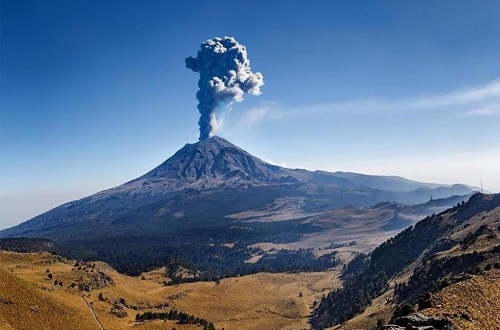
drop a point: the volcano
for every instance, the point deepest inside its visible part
(209, 182)
(209, 164)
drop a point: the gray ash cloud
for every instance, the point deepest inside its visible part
(225, 76)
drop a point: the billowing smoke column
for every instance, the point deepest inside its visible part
(225, 75)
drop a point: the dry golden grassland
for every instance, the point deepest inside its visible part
(473, 304)
(30, 300)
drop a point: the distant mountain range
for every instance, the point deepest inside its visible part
(212, 193)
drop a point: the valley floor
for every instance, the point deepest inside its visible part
(29, 299)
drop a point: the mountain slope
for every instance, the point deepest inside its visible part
(217, 159)
(473, 303)
(439, 250)
(46, 291)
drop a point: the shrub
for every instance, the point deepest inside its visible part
(404, 310)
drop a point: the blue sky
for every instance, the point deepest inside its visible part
(96, 93)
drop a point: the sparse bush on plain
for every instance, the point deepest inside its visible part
(181, 317)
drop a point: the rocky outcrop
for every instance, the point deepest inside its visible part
(95, 281)
(5, 301)
(419, 321)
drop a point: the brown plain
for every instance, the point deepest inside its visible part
(30, 300)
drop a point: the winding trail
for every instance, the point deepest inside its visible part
(93, 314)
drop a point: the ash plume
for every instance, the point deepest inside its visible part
(225, 76)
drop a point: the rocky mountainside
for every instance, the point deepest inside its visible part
(215, 161)
(406, 270)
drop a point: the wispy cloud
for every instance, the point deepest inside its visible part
(483, 111)
(488, 92)
(483, 97)
(482, 100)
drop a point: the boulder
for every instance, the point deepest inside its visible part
(417, 321)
